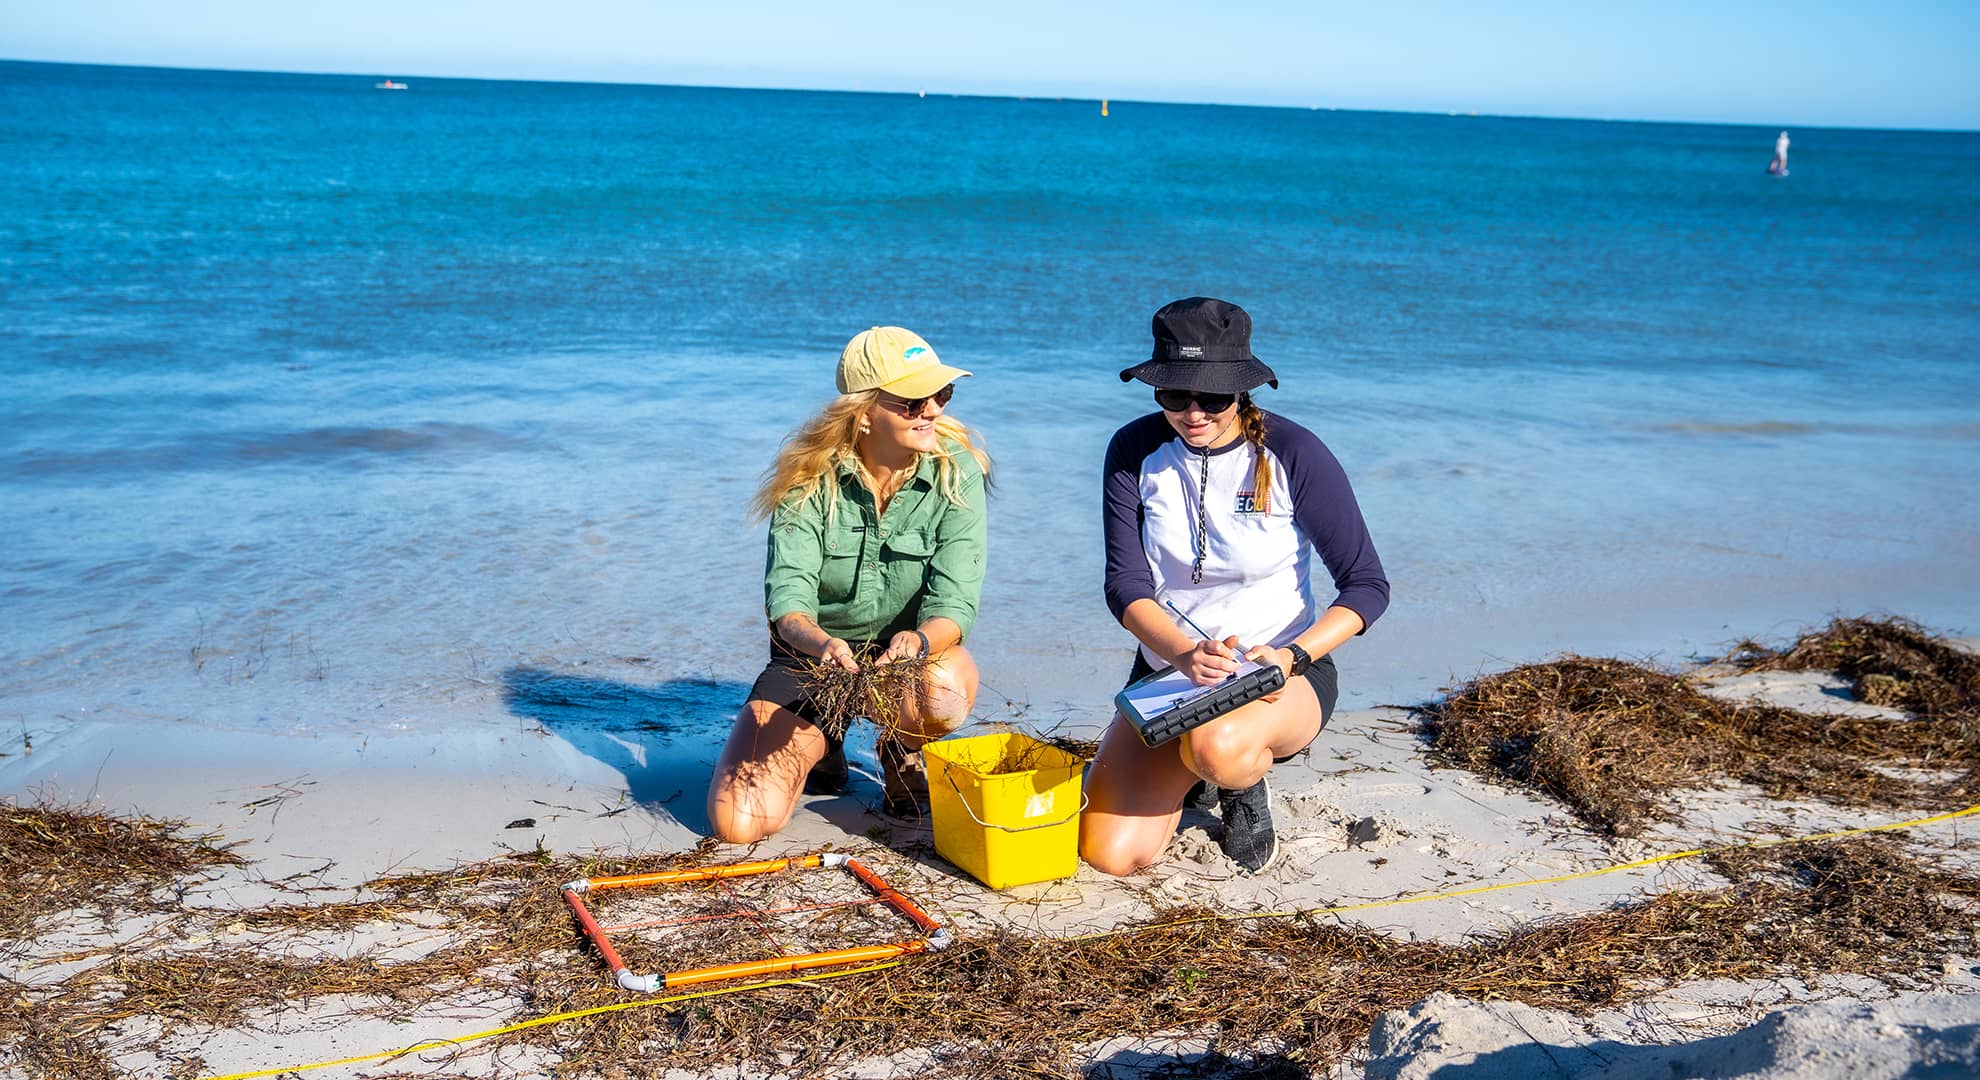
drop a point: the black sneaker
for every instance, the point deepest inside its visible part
(1248, 836)
(1202, 797)
(829, 776)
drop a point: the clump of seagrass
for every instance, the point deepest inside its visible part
(1612, 739)
(54, 859)
(875, 691)
(1083, 749)
(1891, 661)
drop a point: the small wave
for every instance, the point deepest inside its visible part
(248, 449)
(1754, 427)
(1956, 432)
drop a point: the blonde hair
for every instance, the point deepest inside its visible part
(1251, 421)
(810, 459)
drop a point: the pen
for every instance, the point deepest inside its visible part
(1241, 650)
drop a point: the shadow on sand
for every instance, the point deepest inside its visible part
(664, 739)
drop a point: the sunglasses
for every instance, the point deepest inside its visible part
(1178, 400)
(913, 408)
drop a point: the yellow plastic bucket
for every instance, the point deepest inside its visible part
(1005, 807)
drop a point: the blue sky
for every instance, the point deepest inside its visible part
(1895, 64)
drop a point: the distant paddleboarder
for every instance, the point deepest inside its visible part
(1779, 165)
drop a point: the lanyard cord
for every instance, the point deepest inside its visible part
(1202, 520)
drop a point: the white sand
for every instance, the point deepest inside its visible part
(1364, 820)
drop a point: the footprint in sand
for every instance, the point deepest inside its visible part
(1310, 807)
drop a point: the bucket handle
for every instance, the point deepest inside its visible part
(1084, 800)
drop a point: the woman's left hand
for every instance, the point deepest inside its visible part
(905, 645)
(1266, 654)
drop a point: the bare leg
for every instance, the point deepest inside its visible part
(1234, 750)
(948, 692)
(1134, 798)
(761, 772)
(1136, 793)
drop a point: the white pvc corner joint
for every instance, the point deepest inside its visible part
(644, 984)
(835, 859)
(940, 939)
(581, 885)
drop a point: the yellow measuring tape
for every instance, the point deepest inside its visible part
(558, 1018)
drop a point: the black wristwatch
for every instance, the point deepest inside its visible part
(924, 641)
(1301, 661)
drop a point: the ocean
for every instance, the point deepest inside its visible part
(329, 409)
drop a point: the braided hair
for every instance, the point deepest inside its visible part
(1251, 422)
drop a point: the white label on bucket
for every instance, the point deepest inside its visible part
(1038, 805)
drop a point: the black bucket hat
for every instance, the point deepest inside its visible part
(1205, 345)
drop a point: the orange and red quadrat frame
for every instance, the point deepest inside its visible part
(936, 937)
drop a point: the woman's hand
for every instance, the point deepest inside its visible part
(1266, 654)
(906, 645)
(1209, 661)
(840, 653)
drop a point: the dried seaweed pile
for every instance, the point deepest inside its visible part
(1891, 662)
(1297, 991)
(55, 859)
(875, 691)
(1612, 739)
(502, 926)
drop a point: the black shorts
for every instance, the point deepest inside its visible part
(1322, 673)
(780, 685)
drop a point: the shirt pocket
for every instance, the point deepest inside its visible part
(905, 556)
(838, 571)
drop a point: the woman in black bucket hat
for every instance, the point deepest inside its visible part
(1213, 511)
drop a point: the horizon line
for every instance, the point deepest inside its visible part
(1007, 96)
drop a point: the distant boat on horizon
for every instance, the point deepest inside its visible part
(390, 85)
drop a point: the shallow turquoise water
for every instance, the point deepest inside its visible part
(331, 407)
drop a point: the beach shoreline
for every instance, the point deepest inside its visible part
(1419, 853)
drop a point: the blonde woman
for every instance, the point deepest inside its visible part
(877, 537)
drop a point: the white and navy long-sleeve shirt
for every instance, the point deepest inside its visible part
(1257, 562)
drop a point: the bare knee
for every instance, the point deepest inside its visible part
(1117, 853)
(738, 814)
(754, 791)
(729, 832)
(948, 693)
(1226, 755)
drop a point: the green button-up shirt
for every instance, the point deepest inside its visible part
(866, 576)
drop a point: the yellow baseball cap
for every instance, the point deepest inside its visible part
(895, 360)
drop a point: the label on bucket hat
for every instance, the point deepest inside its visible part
(1038, 805)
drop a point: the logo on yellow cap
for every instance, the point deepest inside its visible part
(893, 359)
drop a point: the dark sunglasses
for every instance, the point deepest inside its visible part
(1178, 400)
(912, 408)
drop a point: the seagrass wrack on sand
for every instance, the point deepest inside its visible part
(1892, 662)
(53, 859)
(998, 1003)
(1613, 739)
(1270, 996)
